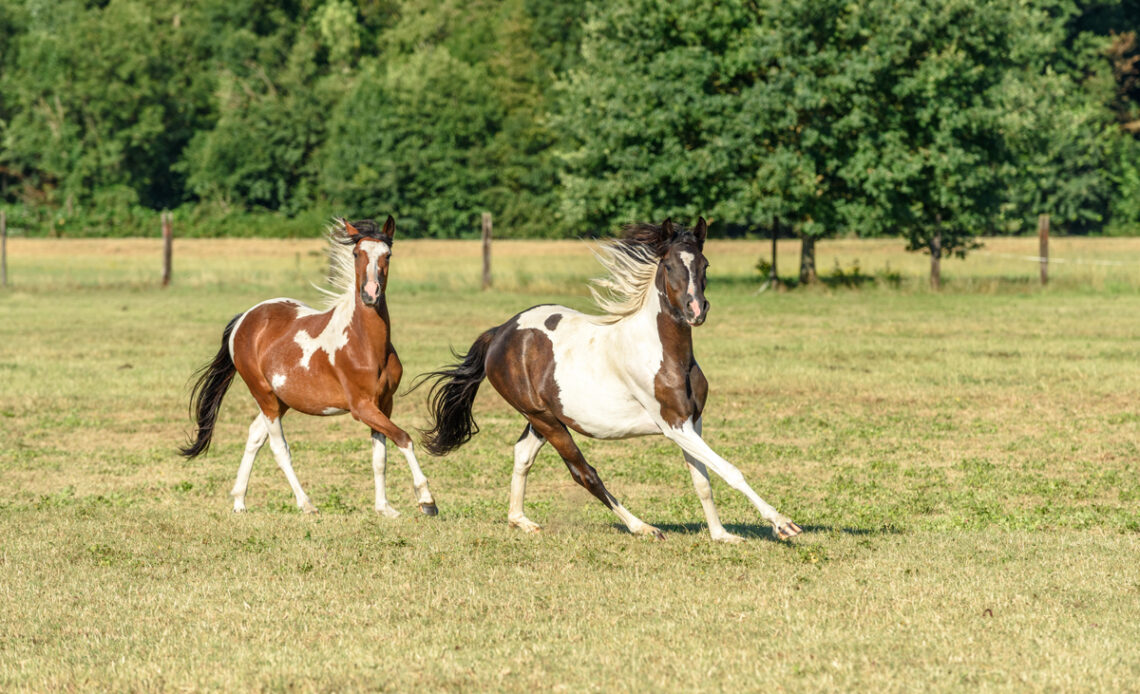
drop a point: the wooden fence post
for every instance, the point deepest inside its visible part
(167, 247)
(1043, 252)
(773, 276)
(3, 248)
(486, 250)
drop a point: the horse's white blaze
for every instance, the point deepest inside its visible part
(332, 338)
(374, 251)
(278, 381)
(605, 372)
(688, 258)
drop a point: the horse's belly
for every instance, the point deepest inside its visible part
(606, 412)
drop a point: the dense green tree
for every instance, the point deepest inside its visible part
(409, 139)
(930, 158)
(98, 99)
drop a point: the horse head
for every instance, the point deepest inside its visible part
(372, 251)
(681, 272)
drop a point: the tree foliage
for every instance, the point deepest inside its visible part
(926, 119)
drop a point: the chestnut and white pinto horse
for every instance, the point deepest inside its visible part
(630, 372)
(317, 362)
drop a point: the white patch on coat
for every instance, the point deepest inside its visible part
(333, 411)
(605, 372)
(277, 381)
(332, 338)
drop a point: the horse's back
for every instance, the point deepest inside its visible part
(554, 358)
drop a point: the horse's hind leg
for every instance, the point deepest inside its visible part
(280, 450)
(526, 450)
(258, 433)
(700, 477)
(584, 474)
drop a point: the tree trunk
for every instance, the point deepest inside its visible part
(936, 259)
(807, 260)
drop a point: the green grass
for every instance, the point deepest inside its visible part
(963, 463)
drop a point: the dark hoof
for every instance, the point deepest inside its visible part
(429, 509)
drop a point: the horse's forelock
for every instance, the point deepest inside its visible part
(654, 237)
(365, 229)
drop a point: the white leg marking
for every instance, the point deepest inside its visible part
(700, 477)
(526, 450)
(379, 462)
(691, 442)
(419, 481)
(281, 451)
(258, 432)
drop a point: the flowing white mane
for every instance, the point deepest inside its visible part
(342, 270)
(632, 268)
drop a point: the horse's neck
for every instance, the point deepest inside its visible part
(655, 319)
(371, 323)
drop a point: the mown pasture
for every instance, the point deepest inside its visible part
(964, 465)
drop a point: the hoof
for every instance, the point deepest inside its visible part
(308, 508)
(526, 525)
(786, 530)
(728, 538)
(239, 509)
(387, 511)
(429, 509)
(651, 531)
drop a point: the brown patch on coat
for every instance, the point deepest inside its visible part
(679, 385)
(552, 321)
(520, 366)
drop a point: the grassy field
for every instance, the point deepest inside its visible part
(964, 465)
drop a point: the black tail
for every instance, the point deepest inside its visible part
(451, 397)
(213, 381)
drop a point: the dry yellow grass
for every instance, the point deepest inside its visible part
(963, 464)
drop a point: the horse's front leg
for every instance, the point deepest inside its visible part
(379, 468)
(700, 476)
(689, 439)
(366, 411)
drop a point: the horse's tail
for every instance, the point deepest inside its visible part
(452, 396)
(213, 381)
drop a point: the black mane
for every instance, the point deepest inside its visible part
(366, 229)
(654, 237)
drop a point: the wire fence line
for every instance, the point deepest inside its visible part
(1055, 259)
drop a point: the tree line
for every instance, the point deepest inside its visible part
(932, 120)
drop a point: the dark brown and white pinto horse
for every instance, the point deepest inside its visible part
(317, 362)
(630, 372)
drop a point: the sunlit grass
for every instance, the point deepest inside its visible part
(963, 464)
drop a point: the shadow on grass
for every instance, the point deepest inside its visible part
(763, 531)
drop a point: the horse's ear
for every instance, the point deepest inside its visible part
(348, 228)
(389, 229)
(667, 230)
(701, 232)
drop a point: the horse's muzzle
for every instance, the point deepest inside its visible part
(696, 311)
(370, 293)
